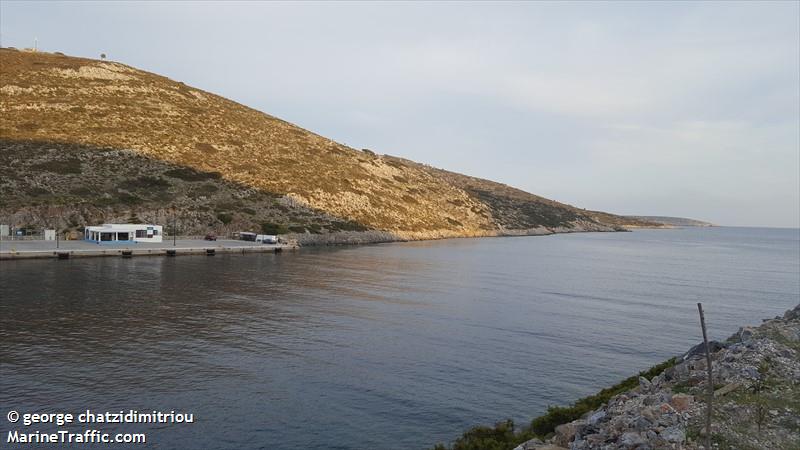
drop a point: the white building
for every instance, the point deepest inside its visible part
(115, 232)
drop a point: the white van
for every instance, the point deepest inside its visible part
(267, 238)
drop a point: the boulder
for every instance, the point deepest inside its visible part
(595, 440)
(697, 363)
(700, 349)
(644, 384)
(681, 402)
(745, 333)
(565, 433)
(619, 423)
(792, 314)
(597, 417)
(650, 400)
(666, 408)
(649, 414)
(750, 372)
(657, 380)
(676, 434)
(680, 371)
(668, 420)
(726, 389)
(641, 424)
(631, 439)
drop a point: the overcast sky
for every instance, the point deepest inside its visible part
(687, 109)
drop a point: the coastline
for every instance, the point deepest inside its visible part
(379, 237)
(39, 249)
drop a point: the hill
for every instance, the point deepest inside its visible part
(85, 141)
(673, 221)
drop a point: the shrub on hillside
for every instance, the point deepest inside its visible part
(189, 174)
(503, 436)
(225, 218)
(273, 228)
(70, 166)
(498, 437)
(145, 182)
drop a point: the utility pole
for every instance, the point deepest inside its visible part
(174, 229)
(710, 379)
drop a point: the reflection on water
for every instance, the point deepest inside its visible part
(386, 346)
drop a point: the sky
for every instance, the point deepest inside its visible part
(687, 109)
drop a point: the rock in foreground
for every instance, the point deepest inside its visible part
(756, 375)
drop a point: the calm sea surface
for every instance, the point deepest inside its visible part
(386, 346)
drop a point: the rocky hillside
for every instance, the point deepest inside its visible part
(756, 405)
(756, 376)
(673, 221)
(85, 141)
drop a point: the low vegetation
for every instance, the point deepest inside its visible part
(504, 435)
(150, 191)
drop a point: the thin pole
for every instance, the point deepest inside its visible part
(710, 378)
(174, 230)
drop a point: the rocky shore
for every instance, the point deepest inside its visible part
(379, 236)
(756, 405)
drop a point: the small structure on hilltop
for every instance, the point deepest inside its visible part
(128, 233)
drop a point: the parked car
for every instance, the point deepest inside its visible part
(210, 237)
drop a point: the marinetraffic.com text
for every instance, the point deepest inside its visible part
(29, 433)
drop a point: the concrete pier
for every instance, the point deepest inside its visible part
(24, 249)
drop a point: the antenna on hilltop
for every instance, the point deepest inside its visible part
(35, 44)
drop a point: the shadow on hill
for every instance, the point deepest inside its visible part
(66, 185)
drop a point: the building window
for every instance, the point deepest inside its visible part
(106, 237)
(141, 233)
(155, 232)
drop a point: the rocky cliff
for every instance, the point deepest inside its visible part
(85, 141)
(756, 404)
(756, 377)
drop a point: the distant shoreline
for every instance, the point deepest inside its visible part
(674, 221)
(40, 249)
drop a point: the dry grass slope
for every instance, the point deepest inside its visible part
(71, 128)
